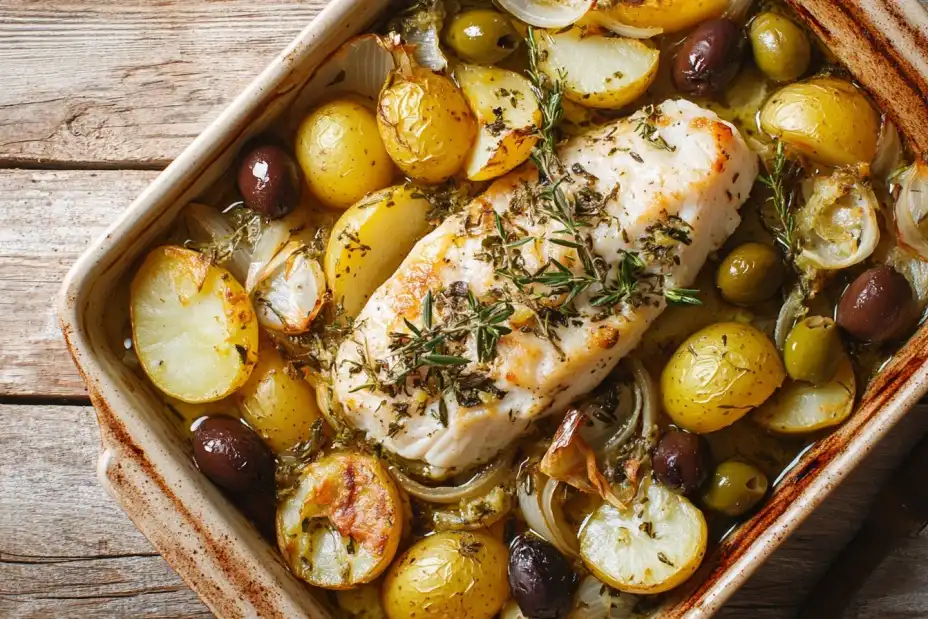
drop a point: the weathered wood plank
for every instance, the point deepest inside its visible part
(66, 549)
(47, 218)
(128, 84)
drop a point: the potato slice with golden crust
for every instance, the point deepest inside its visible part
(193, 325)
(668, 15)
(508, 115)
(342, 524)
(651, 547)
(279, 407)
(600, 71)
(370, 240)
(799, 407)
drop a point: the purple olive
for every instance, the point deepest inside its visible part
(878, 306)
(269, 181)
(541, 580)
(709, 58)
(232, 455)
(681, 461)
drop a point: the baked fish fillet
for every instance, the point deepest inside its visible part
(665, 183)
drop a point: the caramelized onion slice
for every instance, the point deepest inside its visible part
(838, 224)
(481, 483)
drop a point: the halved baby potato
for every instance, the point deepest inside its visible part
(651, 547)
(449, 575)
(193, 325)
(342, 524)
(507, 115)
(278, 406)
(370, 240)
(598, 71)
(799, 407)
(812, 116)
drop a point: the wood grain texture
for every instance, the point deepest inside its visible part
(47, 219)
(66, 549)
(128, 84)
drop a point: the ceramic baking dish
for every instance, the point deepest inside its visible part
(217, 552)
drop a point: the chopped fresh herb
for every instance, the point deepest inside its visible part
(247, 226)
(663, 559)
(682, 296)
(646, 127)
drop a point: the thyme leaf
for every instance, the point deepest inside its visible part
(646, 127)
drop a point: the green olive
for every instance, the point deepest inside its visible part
(813, 350)
(735, 487)
(750, 274)
(781, 48)
(482, 36)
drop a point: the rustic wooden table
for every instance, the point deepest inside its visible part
(95, 98)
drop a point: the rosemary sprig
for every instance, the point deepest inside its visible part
(549, 94)
(779, 180)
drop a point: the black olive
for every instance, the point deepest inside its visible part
(681, 461)
(232, 455)
(269, 181)
(878, 306)
(540, 578)
(709, 57)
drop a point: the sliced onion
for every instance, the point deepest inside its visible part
(791, 311)
(602, 18)
(291, 295)
(207, 226)
(602, 430)
(912, 209)
(838, 224)
(596, 600)
(564, 537)
(547, 13)
(272, 239)
(544, 516)
(634, 401)
(647, 394)
(482, 482)
(358, 67)
(889, 154)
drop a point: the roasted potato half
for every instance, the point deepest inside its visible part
(279, 407)
(507, 114)
(799, 407)
(666, 15)
(598, 71)
(341, 525)
(370, 240)
(649, 548)
(193, 326)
